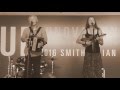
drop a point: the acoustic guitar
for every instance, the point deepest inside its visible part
(91, 38)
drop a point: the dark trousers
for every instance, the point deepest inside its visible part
(32, 67)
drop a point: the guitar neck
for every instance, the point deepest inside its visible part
(102, 35)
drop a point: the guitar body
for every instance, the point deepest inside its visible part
(90, 39)
(85, 39)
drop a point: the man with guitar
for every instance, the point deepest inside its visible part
(35, 38)
(91, 38)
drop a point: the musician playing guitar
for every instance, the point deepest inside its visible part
(91, 38)
(35, 38)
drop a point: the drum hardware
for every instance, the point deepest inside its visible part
(20, 60)
(19, 71)
(32, 70)
(51, 75)
(20, 67)
(11, 69)
(14, 71)
(52, 59)
(43, 66)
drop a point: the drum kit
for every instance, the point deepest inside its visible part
(17, 70)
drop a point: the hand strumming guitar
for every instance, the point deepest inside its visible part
(90, 40)
(88, 43)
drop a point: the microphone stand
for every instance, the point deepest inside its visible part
(93, 41)
(52, 67)
(52, 59)
(93, 49)
(28, 57)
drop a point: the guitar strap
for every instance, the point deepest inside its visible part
(31, 31)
